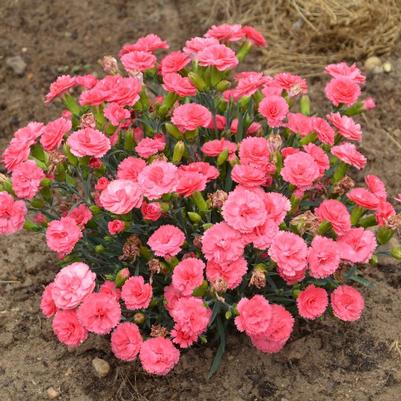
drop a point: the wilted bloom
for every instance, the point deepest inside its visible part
(131, 248)
(217, 198)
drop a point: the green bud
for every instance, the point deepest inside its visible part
(243, 102)
(295, 292)
(178, 152)
(308, 139)
(356, 214)
(384, 235)
(95, 209)
(374, 260)
(37, 203)
(30, 226)
(222, 157)
(129, 141)
(216, 76)
(396, 252)
(244, 50)
(206, 226)
(199, 201)
(367, 221)
(305, 105)
(139, 318)
(121, 277)
(223, 85)
(194, 217)
(197, 81)
(339, 173)
(228, 315)
(324, 227)
(72, 104)
(201, 290)
(167, 104)
(46, 182)
(99, 249)
(173, 131)
(165, 207)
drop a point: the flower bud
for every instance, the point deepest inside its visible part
(131, 248)
(223, 85)
(217, 199)
(304, 105)
(244, 50)
(194, 217)
(258, 277)
(222, 157)
(178, 152)
(109, 65)
(344, 185)
(87, 120)
(199, 201)
(396, 252)
(99, 249)
(197, 81)
(158, 330)
(173, 131)
(139, 318)
(384, 235)
(121, 277)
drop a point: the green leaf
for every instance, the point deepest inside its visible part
(214, 367)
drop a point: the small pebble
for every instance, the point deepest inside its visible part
(101, 367)
(387, 67)
(17, 64)
(373, 64)
(52, 393)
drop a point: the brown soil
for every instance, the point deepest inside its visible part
(325, 360)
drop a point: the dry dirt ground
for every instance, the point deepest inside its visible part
(325, 360)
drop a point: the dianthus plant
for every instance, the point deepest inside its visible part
(185, 199)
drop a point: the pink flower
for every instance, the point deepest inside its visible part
(72, 284)
(87, 81)
(274, 109)
(219, 56)
(189, 182)
(244, 209)
(215, 147)
(248, 176)
(53, 133)
(126, 341)
(174, 62)
(99, 313)
(263, 236)
(60, 86)
(277, 206)
(12, 214)
(342, 91)
(278, 333)
(115, 227)
(88, 142)
(336, 213)
(136, 293)
(346, 126)
(252, 129)
(289, 251)
(323, 257)
(190, 116)
(182, 86)
(121, 196)
(191, 318)
(157, 179)
(347, 153)
(166, 241)
(195, 45)
(81, 214)
(109, 287)
(231, 272)
(171, 295)
(226, 32)
(376, 186)
(347, 303)
(29, 134)
(151, 211)
(312, 302)
(320, 157)
(188, 275)
(323, 130)
(300, 169)
(357, 245)
(158, 356)
(369, 103)
(384, 211)
(15, 153)
(254, 151)
(207, 170)
(254, 36)
(222, 244)
(148, 43)
(116, 114)
(138, 61)
(68, 329)
(341, 70)
(150, 146)
(101, 184)
(299, 123)
(292, 84)
(219, 124)
(26, 178)
(364, 198)
(130, 168)
(62, 235)
(47, 305)
(292, 279)
(255, 315)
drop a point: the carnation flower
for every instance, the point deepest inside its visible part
(346, 126)
(324, 132)
(384, 211)
(12, 214)
(190, 116)
(99, 313)
(244, 209)
(341, 70)
(299, 123)
(277, 206)
(347, 153)
(53, 133)
(364, 198)
(219, 56)
(136, 293)
(342, 91)
(138, 61)
(26, 178)
(207, 170)
(148, 43)
(254, 36)
(88, 142)
(323, 257)
(292, 84)
(357, 245)
(189, 182)
(274, 109)
(263, 236)
(158, 356)
(289, 251)
(231, 272)
(15, 153)
(166, 241)
(188, 275)
(174, 62)
(61, 85)
(182, 86)
(126, 341)
(121, 196)
(254, 151)
(47, 305)
(150, 146)
(248, 176)
(312, 302)
(72, 284)
(68, 329)
(347, 303)
(300, 169)
(226, 32)
(116, 114)
(109, 287)
(81, 214)
(130, 168)
(115, 227)
(336, 214)
(157, 179)
(376, 186)
(151, 211)
(255, 315)
(195, 45)
(215, 147)
(62, 235)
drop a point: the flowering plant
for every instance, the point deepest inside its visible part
(184, 200)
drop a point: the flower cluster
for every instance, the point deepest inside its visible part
(184, 199)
